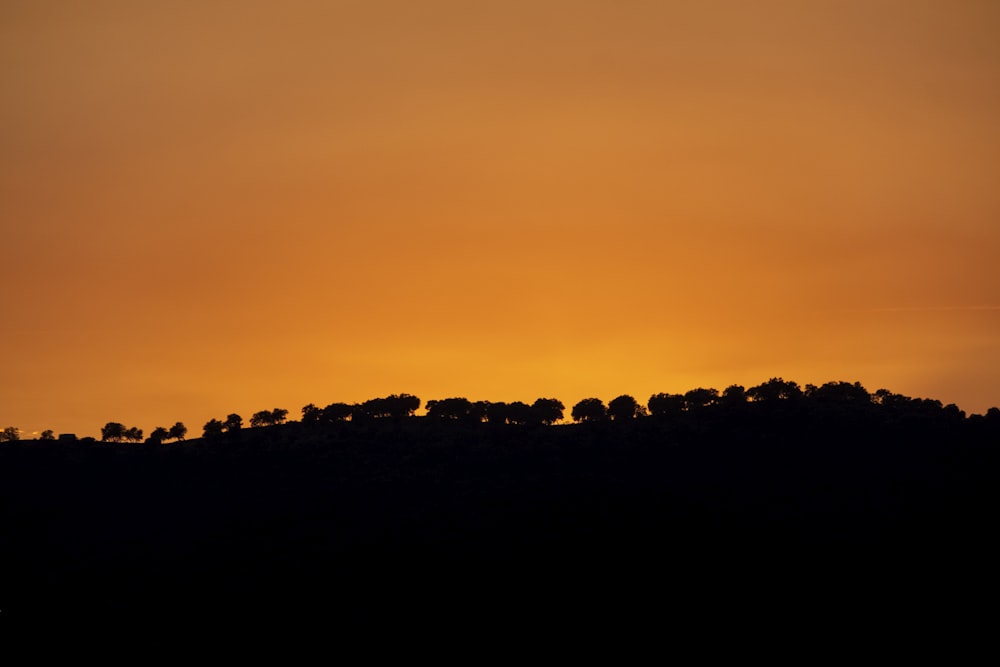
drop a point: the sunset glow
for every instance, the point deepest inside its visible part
(216, 206)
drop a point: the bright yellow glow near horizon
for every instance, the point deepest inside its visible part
(218, 206)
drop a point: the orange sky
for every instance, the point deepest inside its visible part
(217, 206)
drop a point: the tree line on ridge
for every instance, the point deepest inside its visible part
(547, 411)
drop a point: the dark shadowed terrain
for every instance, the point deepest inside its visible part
(783, 510)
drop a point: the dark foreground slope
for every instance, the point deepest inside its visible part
(420, 522)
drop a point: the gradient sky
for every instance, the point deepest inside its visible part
(218, 206)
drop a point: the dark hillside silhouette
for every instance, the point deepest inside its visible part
(825, 501)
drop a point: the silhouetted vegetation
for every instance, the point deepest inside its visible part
(395, 406)
(589, 410)
(268, 417)
(116, 432)
(482, 512)
(175, 432)
(624, 407)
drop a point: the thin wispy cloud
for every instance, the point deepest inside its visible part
(921, 309)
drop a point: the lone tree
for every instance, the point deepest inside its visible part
(10, 434)
(589, 410)
(48, 434)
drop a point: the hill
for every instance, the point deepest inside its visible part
(403, 521)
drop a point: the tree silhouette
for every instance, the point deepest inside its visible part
(268, 417)
(494, 412)
(233, 423)
(775, 389)
(665, 404)
(623, 407)
(451, 408)
(48, 434)
(589, 410)
(477, 412)
(839, 392)
(547, 410)
(213, 428)
(397, 406)
(700, 398)
(519, 412)
(733, 395)
(159, 434)
(337, 412)
(262, 418)
(311, 414)
(373, 408)
(402, 405)
(133, 434)
(177, 431)
(113, 432)
(10, 434)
